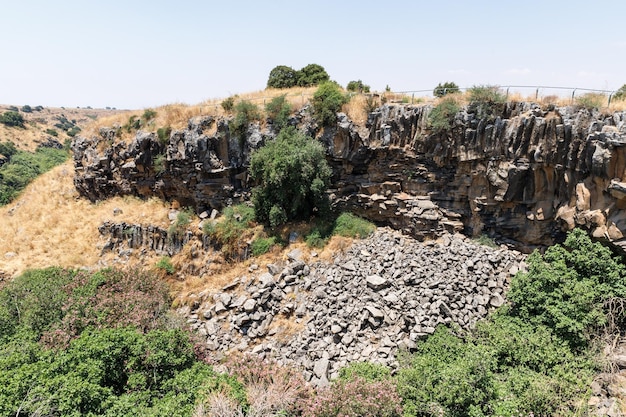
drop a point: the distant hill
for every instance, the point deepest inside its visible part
(44, 123)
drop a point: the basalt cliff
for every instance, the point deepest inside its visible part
(524, 173)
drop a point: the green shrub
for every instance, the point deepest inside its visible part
(282, 76)
(358, 87)
(73, 131)
(327, 102)
(567, 288)
(349, 225)
(12, 119)
(262, 245)
(26, 109)
(315, 239)
(7, 149)
(292, 175)
(486, 241)
(441, 117)
(445, 88)
(52, 132)
(148, 115)
(163, 134)
(179, 227)
(278, 110)
(229, 232)
(591, 101)
(228, 103)
(165, 264)
(367, 371)
(485, 100)
(312, 74)
(245, 113)
(160, 163)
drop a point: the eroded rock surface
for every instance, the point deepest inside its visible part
(524, 173)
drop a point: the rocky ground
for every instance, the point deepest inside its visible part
(380, 296)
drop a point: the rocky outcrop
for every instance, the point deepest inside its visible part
(524, 174)
(381, 295)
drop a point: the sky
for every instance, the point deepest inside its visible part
(134, 54)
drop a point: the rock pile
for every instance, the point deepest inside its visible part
(381, 295)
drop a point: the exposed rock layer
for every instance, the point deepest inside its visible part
(523, 173)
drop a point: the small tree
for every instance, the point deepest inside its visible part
(292, 176)
(327, 101)
(442, 116)
(312, 74)
(278, 110)
(358, 87)
(12, 119)
(282, 76)
(445, 88)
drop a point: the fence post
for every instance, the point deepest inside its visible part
(412, 97)
(609, 103)
(573, 92)
(537, 94)
(507, 94)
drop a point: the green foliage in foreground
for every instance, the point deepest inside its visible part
(533, 357)
(292, 176)
(23, 167)
(84, 344)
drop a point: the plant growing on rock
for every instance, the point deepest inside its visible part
(327, 101)
(179, 227)
(230, 232)
(441, 117)
(358, 87)
(278, 110)
(485, 100)
(292, 176)
(245, 113)
(621, 93)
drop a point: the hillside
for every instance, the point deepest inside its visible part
(43, 123)
(323, 309)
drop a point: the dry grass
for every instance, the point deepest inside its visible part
(49, 225)
(177, 115)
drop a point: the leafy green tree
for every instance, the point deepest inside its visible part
(312, 74)
(278, 110)
(282, 76)
(12, 119)
(358, 86)
(445, 88)
(292, 176)
(327, 101)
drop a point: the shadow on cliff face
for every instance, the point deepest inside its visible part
(523, 174)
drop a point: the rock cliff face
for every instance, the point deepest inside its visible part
(524, 174)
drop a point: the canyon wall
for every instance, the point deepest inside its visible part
(523, 173)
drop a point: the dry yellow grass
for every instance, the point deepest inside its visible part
(49, 225)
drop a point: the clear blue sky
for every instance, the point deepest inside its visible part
(138, 54)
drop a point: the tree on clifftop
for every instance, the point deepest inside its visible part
(282, 76)
(293, 175)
